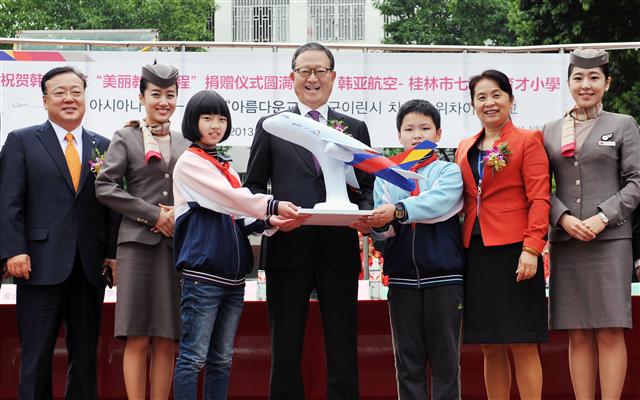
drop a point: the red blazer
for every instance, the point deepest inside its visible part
(514, 202)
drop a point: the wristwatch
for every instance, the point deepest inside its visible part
(400, 213)
(604, 218)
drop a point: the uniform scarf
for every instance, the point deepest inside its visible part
(568, 139)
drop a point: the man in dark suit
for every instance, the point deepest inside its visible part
(300, 259)
(56, 238)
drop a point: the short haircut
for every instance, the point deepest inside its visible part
(498, 77)
(144, 83)
(312, 46)
(59, 71)
(604, 68)
(204, 102)
(418, 106)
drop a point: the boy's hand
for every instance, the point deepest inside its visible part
(381, 215)
(287, 209)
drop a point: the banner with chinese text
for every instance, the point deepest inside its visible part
(368, 86)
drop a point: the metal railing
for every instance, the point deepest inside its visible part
(182, 45)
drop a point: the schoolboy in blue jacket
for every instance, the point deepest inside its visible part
(424, 260)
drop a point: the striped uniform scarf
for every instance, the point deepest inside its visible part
(568, 139)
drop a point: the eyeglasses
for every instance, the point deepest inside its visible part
(306, 72)
(61, 94)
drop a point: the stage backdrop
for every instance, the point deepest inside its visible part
(369, 86)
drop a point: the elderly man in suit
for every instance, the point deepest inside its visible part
(300, 259)
(56, 238)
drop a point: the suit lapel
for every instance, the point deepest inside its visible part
(465, 166)
(592, 139)
(305, 154)
(48, 137)
(488, 173)
(88, 145)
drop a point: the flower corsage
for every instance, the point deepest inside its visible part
(338, 125)
(96, 161)
(496, 158)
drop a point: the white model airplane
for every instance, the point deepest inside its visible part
(337, 154)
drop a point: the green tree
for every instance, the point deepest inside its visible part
(588, 21)
(452, 22)
(184, 20)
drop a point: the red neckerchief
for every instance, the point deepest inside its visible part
(223, 167)
(419, 165)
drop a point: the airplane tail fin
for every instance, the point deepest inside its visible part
(412, 156)
(394, 169)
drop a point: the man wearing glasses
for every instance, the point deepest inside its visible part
(298, 259)
(56, 238)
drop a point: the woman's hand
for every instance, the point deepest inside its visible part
(165, 222)
(576, 228)
(527, 266)
(595, 224)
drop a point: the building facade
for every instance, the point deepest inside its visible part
(298, 21)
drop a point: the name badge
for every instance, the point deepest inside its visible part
(607, 143)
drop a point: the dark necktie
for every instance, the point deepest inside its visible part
(315, 115)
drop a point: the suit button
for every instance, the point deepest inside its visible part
(577, 182)
(165, 193)
(77, 205)
(577, 200)
(167, 176)
(575, 163)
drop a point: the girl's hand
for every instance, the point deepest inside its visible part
(287, 209)
(595, 224)
(527, 266)
(576, 228)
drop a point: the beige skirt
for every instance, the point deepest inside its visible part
(148, 301)
(590, 284)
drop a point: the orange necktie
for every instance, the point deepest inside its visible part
(73, 160)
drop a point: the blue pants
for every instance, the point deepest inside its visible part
(210, 316)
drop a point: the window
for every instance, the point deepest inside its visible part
(336, 20)
(260, 20)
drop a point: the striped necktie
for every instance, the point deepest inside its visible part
(73, 160)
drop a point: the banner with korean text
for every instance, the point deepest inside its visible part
(369, 86)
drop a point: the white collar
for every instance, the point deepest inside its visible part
(61, 132)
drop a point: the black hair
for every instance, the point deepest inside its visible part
(604, 68)
(59, 71)
(204, 102)
(421, 107)
(144, 83)
(498, 77)
(312, 46)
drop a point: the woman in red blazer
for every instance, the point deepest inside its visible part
(506, 216)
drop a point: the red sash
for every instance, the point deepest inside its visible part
(223, 167)
(419, 165)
